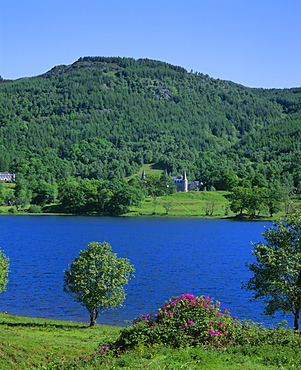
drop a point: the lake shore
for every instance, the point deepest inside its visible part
(195, 204)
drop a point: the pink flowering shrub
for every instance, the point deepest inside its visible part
(182, 322)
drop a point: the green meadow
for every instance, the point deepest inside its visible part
(191, 204)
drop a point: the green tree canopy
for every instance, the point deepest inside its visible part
(252, 200)
(96, 279)
(4, 270)
(277, 270)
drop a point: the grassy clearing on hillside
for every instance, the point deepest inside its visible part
(150, 169)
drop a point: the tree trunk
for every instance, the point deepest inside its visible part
(296, 320)
(298, 305)
(92, 318)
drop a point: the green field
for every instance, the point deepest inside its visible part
(191, 204)
(212, 204)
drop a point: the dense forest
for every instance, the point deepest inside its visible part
(103, 118)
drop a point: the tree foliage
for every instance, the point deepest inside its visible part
(277, 270)
(102, 118)
(254, 199)
(4, 271)
(113, 197)
(96, 279)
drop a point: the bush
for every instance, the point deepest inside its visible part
(35, 209)
(12, 210)
(182, 322)
(188, 321)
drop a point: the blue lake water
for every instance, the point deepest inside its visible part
(172, 256)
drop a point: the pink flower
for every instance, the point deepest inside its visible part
(215, 333)
(187, 296)
(103, 348)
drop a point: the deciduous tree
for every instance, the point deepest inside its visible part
(4, 271)
(96, 279)
(277, 270)
(251, 200)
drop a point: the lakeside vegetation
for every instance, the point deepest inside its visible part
(212, 204)
(154, 196)
(194, 204)
(44, 344)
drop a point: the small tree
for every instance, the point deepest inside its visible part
(157, 186)
(277, 272)
(4, 271)
(96, 279)
(168, 206)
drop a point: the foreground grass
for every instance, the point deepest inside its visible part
(253, 358)
(32, 343)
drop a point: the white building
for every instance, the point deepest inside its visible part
(183, 185)
(5, 176)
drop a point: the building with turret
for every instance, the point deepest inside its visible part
(180, 182)
(183, 185)
(5, 176)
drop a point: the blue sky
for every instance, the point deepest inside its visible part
(252, 42)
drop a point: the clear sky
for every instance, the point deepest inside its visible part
(252, 42)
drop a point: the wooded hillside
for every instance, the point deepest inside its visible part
(102, 118)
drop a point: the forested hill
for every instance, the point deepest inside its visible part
(103, 118)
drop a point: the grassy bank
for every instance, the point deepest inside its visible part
(213, 204)
(35, 343)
